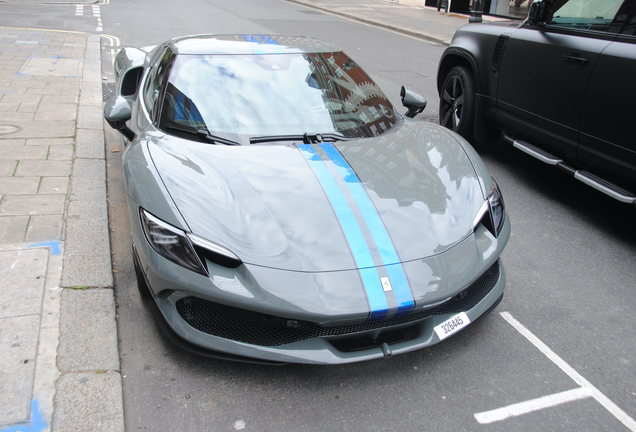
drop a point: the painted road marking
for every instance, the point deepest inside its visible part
(79, 11)
(526, 407)
(586, 390)
(99, 22)
(114, 47)
(98, 14)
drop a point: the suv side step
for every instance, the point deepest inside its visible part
(533, 151)
(589, 179)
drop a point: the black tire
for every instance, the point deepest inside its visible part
(142, 286)
(457, 102)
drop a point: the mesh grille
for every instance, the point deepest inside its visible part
(259, 329)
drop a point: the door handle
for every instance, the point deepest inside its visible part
(574, 59)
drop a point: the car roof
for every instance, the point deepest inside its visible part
(249, 44)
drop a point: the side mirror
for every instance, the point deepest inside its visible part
(537, 14)
(413, 101)
(117, 112)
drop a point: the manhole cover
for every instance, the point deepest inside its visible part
(9, 129)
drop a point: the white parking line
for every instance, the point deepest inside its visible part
(586, 389)
(98, 14)
(533, 405)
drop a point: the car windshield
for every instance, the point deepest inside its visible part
(282, 94)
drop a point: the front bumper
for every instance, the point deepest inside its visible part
(219, 325)
(411, 332)
(319, 349)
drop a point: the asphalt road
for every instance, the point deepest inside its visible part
(569, 262)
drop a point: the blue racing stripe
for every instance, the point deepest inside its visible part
(370, 278)
(267, 39)
(250, 38)
(265, 45)
(383, 242)
(257, 48)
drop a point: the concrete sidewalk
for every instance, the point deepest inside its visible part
(58, 334)
(421, 22)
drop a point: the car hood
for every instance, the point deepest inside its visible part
(286, 206)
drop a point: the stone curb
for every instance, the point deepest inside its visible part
(89, 392)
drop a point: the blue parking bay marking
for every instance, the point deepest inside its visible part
(370, 277)
(390, 259)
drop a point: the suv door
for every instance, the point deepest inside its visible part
(607, 140)
(545, 71)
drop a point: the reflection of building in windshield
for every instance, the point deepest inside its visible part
(178, 108)
(408, 167)
(354, 101)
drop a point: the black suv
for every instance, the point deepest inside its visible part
(561, 86)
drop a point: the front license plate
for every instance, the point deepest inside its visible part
(452, 325)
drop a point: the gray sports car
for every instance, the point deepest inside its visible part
(283, 211)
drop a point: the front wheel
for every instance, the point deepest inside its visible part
(457, 102)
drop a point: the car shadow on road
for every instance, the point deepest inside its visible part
(525, 175)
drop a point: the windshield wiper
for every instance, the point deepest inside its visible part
(306, 138)
(204, 134)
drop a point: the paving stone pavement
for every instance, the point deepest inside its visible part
(58, 334)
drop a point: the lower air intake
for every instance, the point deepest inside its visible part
(265, 330)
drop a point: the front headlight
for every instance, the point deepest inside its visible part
(492, 213)
(186, 249)
(171, 243)
(497, 209)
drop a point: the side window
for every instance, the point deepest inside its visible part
(585, 14)
(155, 81)
(625, 21)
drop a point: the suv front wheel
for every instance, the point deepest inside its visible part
(457, 102)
